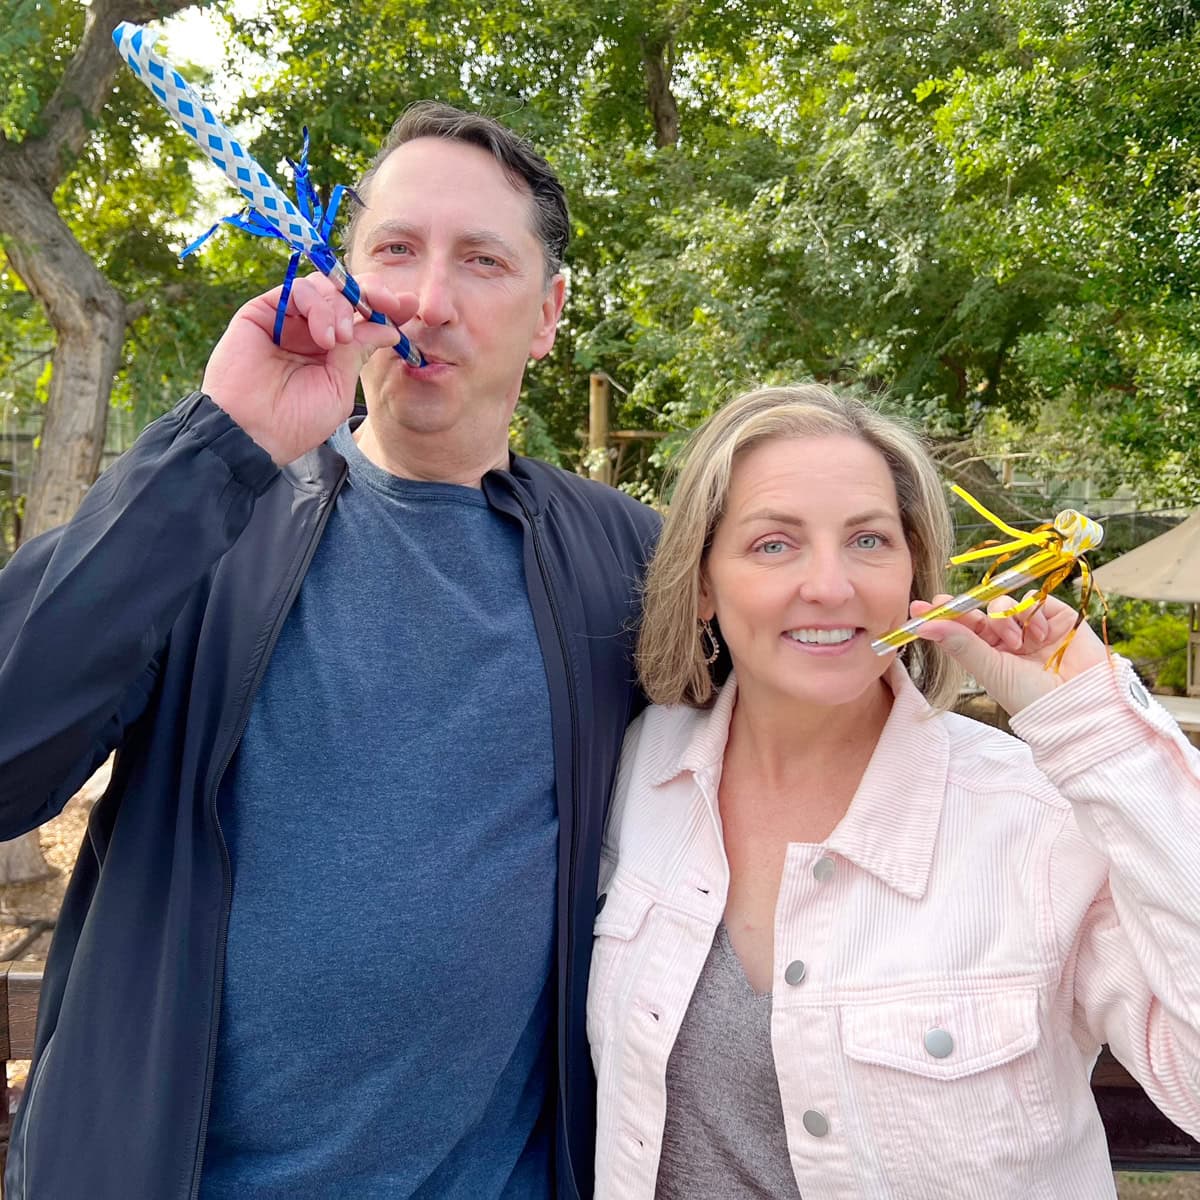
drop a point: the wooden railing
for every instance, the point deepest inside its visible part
(1140, 1138)
(20, 985)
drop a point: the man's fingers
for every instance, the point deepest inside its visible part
(331, 320)
(372, 336)
(322, 308)
(398, 307)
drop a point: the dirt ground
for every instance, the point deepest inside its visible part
(23, 903)
(60, 839)
(1131, 1186)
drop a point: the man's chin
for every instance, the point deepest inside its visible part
(424, 416)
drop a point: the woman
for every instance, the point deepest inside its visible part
(849, 944)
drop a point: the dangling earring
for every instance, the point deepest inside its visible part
(706, 631)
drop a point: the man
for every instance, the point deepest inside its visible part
(329, 932)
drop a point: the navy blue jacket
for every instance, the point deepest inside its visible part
(145, 625)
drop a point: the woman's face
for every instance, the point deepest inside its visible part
(807, 566)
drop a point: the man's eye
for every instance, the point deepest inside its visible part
(486, 260)
(397, 249)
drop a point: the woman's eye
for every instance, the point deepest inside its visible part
(868, 541)
(772, 547)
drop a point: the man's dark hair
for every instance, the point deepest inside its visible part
(523, 164)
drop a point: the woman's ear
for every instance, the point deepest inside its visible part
(708, 608)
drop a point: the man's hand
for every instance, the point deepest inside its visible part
(1007, 655)
(291, 397)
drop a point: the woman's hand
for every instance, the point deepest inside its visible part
(1007, 655)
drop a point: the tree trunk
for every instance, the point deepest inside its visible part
(88, 317)
(21, 860)
(657, 67)
(85, 310)
(89, 320)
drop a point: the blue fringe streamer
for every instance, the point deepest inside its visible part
(308, 201)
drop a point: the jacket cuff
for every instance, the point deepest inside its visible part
(1102, 713)
(250, 465)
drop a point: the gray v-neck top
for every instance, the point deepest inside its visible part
(724, 1134)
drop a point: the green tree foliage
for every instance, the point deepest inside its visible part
(986, 208)
(1154, 638)
(1079, 160)
(131, 200)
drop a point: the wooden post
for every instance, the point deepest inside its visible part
(20, 987)
(1193, 650)
(598, 393)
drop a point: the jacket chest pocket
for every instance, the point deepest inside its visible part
(953, 1088)
(621, 912)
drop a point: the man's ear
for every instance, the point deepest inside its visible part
(547, 326)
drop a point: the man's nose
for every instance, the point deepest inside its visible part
(435, 294)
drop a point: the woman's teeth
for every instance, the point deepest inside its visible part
(822, 637)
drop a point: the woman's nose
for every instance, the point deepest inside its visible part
(825, 579)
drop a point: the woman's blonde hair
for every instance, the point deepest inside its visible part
(670, 659)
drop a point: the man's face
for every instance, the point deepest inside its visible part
(445, 223)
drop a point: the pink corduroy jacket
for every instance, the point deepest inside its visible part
(987, 913)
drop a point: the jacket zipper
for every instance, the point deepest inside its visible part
(572, 705)
(226, 865)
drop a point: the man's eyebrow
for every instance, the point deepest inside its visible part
(394, 229)
(775, 516)
(487, 238)
(472, 239)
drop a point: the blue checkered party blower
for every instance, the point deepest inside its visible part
(304, 225)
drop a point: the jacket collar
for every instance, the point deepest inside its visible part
(323, 469)
(890, 828)
(525, 476)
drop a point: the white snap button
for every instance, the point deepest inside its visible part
(817, 1123)
(794, 973)
(939, 1043)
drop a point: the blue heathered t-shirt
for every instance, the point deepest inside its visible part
(385, 1019)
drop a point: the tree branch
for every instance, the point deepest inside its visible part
(171, 293)
(84, 87)
(36, 356)
(656, 66)
(46, 255)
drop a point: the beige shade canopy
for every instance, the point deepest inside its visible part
(1165, 568)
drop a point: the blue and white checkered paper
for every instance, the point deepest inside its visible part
(198, 121)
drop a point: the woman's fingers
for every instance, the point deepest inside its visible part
(987, 624)
(1004, 629)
